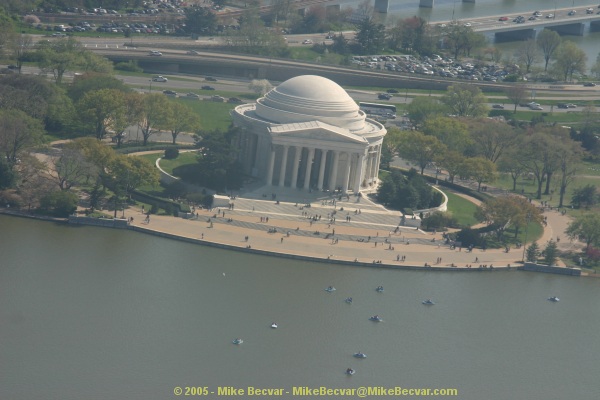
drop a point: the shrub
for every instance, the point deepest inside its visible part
(176, 189)
(439, 220)
(154, 208)
(61, 203)
(171, 153)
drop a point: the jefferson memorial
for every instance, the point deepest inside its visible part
(308, 133)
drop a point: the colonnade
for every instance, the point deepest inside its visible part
(322, 168)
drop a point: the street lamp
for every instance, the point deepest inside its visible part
(526, 229)
(150, 85)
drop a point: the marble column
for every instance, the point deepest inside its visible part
(347, 173)
(309, 162)
(295, 166)
(334, 170)
(358, 173)
(322, 169)
(283, 165)
(271, 167)
(377, 161)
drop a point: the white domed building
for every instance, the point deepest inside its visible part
(308, 133)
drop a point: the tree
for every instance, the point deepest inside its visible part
(260, 86)
(423, 108)
(455, 37)
(465, 100)
(18, 133)
(452, 162)
(506, 211)
(91, 82)
(72, 168)
(217, 166)
(59, 56)
(548, 41)
(507, 163)
(60, 203)
(532, 253)
(491, 138)
(200, 21)
(126, 115)
(569, 59)
(253, 37)
(21, 46)
(99, 110)
(450, 131)
(516, 94)
(419, 148)
(586, 196)
(585, 227)
(411, 34)
(569, 158)
(154, 113)
(370, 36)
(596, 67)
(479, 169)
(181, 118)
(550, 253)
(391, 141)
(528, 53)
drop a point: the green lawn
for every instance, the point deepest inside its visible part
(189, 157)
(461, 209)
(213, 115)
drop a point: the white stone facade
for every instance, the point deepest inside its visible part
(308, 133)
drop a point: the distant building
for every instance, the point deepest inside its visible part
(308, 133)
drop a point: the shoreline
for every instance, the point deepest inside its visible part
(221, 237)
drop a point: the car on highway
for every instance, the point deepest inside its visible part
(192, 52)
(191, 96)
(589, 11)
(467, 24)
(536, 107)
(210, 79)
(503, 19)
(537, 14)
(498, 106)
(170, 93)
(566, 105)
(589, 84)
(159, 78)
(206, 87)
(572, 12)
(307, 41)
(234, 100)
(533, 18)
(217, 98)
(384, 96)
(155, 53)
(550, 16)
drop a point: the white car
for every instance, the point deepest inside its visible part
(307, 41)
(155, 53)
(536, 107)
(159, 78)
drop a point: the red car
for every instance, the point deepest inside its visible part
(503, 19)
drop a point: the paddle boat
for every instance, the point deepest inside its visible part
(237, 341)
(428, 302)
(274, 325)
(348, 300)
(554, 299)
(330, 289)
(350, 371)
(379, 289)
(360, 355)
(376, 318)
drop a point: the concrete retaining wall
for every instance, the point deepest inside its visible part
(551, 270)
(106, 222)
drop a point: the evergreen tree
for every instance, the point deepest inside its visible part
(532, 252)
(550, 253)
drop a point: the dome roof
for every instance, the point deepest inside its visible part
(308, 98)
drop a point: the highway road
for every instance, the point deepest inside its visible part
(493, 22)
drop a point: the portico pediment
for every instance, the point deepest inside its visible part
(313, 131)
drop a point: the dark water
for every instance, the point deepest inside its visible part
(92, 313)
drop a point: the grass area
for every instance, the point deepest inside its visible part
(462, 209)
(189, 157)
(213, 115)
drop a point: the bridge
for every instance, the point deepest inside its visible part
(557, 20)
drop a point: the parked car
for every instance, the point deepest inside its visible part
(191, 95)
(159, 78)
(217, 98)
(206, 87)
(155, 53)
(234, 100)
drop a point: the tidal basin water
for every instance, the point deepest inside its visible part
(93, 313)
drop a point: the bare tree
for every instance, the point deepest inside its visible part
(548, 41)
(528, 53)
(516, 94)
